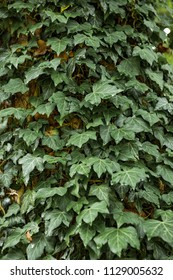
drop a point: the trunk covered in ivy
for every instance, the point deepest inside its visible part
(86, 131)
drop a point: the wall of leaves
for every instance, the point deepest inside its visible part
(86, 131)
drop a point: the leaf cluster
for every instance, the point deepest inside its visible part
(86, 131)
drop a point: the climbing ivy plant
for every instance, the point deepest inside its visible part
(86, 131)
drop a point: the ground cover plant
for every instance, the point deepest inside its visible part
(86, 131)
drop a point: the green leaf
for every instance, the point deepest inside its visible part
(36, 248)
(129, 176)
(53, 142)
(29, 162)
(13, 238)
(89, 214)
(146, 53)
(105, 133)
(56, 16)
(150, 117)
(122, 133)
(156, 77)
(44, 193)
(162, 229)
(52, 159)
(136, 124)
(28, 135)
(58, 45)
(165, 172)
(44, 109)
(80, 168)
(129, 67)
(164, 104)
(15, 85)
(122, 218)
(54, 219)
(118, 239)
(101, 90)
(61, 103)
(86, 234)
(28, 201)
(6, 178)
(101, 192)
(114, 37)
(78, 139)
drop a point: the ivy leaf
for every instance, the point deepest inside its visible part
(129, 176)
(44, 193)
(78, 139)
(114, 37)
(81, 168)
(101, 192)
(125, 67)
(122, 133)
(28, 201)
(61, 102)
(156, 77)
(36, 248)
(122, 218)
(56, 16)
(162, 229)
(89, 214)
(105, 133)
(6, 178)
(44, 109)
(118, 239)
(136, 124)
(165, 172)
(150, 117)
(145, 53)
(53, 142)
(102, 90)
(54, 219)
(13, 238)
(58, 45)
(15, 85)
(86, 233)
(29, 162)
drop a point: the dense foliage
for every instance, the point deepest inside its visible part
(86, 131)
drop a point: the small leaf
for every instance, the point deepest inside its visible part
(101, 192)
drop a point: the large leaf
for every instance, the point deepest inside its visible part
(54, 219)
(118, 239)
(125, 67)
(102, 90)
(89, 214)
(101, 192)
(15, 85)
(162, 229)
(78, 139)
(86, 233)
(29, 162)
(146, 53)
(13, 238)
(58, 45)
(36, 248)
(61, 102)
(166, 173)
(129, 176)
